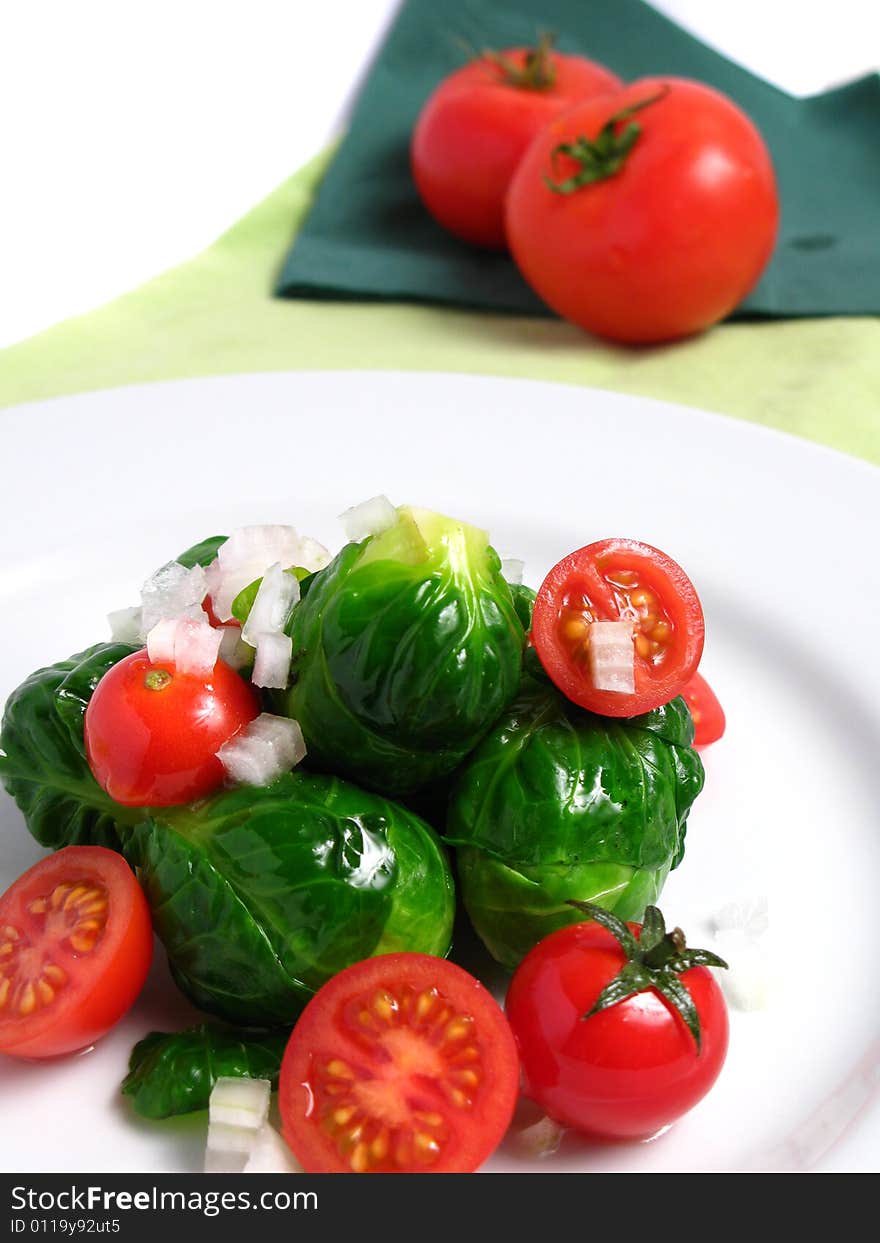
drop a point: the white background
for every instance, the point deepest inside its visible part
(134, 133)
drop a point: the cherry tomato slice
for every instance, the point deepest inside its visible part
(614, 580)
(402, 1063)
(152, 734)
(75, 948)
(709, 722)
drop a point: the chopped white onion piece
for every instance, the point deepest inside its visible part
(173, 591)
(541, 1139)
(125, 625)
(191, 646)
(750, 915)
(237, 1113)
(265, 749)
(272, 658)
(746, 980)
(369, 518)
(271, 1155)
(276, 595)
(233, 649)
(512, 570)
(261, 544)
(312, 554)
(612, 656)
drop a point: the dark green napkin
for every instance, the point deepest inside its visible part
(368, 236)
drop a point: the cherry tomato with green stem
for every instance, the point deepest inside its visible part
(621, 1028)
(476, 126)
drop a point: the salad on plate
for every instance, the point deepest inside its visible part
(302, 772)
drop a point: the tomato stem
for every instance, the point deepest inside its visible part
(604, 155)
(655, 960)
(538, 73)
(156, 679)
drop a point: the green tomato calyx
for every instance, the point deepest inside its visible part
(655, 960)
(604, 155)
(537, 73)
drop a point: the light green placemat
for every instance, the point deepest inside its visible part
(215, 314)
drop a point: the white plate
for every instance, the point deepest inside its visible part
(780, 537)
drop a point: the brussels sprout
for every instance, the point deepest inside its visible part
(43, 761)
(524, 603)
(405, 650)
(261, 895)
(557, 803)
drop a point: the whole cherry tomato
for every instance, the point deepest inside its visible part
(621, 1028)
(474, 129)
(152, 734)
(646, 215)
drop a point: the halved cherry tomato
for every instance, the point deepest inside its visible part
(615, 580)
(709, 722)
(476, 126)
(402, 1063)
(75, 948)
(629, 1069)
(152, 734)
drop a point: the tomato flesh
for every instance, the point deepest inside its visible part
(401, 1063)
(627, 1071)
(75, 947)
(152, 734)
(619, 580)
(707, 713)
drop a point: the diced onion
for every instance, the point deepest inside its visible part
(233, 649)
(272, 658)
(191, 646)
(277, 594)
(312, 554)
(612, 656)
(369, 518)
(512, 570)
(271, 1155)
(738, 932)
(173, 591)
(247, 555)
(126, 625)
(541, 1139)
(237, 1112)
(265, 749)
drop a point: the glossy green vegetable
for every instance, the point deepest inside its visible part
(42, 754)
(202, 554)
(557, 803)
(405, 650)
(244, 601)
(261, 895)
(524, 603)
(173, 1072)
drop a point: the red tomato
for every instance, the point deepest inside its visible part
(612, 580)
(75, 949)
(673, 239)
(152, 734)
(400, 1064)
(474, 129)
(208, 608)
(627, 1070)
(707, 712)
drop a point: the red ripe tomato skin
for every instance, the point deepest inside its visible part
(668, 245)
(316, 1033)
(626, 1072)
(473, 131)
(659, 573)
(158, 748)
(104, 983)
(708, 715)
